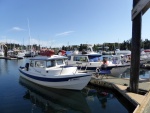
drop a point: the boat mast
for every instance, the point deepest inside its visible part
(118, 44)
(29, 35)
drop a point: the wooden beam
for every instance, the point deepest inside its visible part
(135, 51)
(141, 7)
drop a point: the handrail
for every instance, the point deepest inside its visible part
(62, 69)
(79, 64)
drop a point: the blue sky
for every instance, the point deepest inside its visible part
(61, 22)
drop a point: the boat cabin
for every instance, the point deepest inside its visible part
(85, 61)
(48, 62)
(50, 66)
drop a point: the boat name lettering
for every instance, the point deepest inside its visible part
(38, 71)
(73, 79)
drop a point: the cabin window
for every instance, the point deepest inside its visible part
(31, 64)
(76, 58)
(50, 63)
(94, 58)
(39, 64)
(69, 57)
(115, 60)
(84, 59)
(59, 62)
(80, 58)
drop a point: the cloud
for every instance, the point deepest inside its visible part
(42, 43)
(5, 39)
(16, 29)
(64, 33)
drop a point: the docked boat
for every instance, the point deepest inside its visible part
(117, 64)
(1, 50)
(84, 61)
(30, 53)
(144, 55)
(19, 54)
(53, 72)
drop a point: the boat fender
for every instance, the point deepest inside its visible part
(27, 66)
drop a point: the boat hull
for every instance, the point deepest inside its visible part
(115, 70)
(75, 81)
(1, 53)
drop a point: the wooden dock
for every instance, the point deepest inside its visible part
(141, 101)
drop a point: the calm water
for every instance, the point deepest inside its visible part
(18, 95)
(143, 74)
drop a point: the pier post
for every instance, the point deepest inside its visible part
(135, 51)
(5, 51)
(139, 8)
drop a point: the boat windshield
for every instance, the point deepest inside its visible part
(40, 64)
(80, 58)
(60, 62)
(50, 63)
(94, 58)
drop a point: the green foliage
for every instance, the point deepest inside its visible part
(96, 47)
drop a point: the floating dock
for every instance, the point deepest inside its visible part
(8, 58)
(141, 100)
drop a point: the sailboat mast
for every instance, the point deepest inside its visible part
(29, 34)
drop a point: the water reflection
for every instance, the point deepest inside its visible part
(9, 66)
(3, 67)
(143, 74)
(104, 97)
(69, 101)
(55, 100)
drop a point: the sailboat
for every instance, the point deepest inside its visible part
(16, 53)
(29, 52)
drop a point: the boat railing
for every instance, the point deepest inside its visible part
(79, 64)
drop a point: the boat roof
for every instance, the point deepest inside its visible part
(45, 58)
(94, 54)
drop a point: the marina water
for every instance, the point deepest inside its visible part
(18, 95)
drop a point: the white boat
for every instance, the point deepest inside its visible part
(19, 54)
(30, 53)
(147, 51)
(85, 61)
(117, 64)
(53, 72)
(1, 50)
(144, 57)
(1, 53)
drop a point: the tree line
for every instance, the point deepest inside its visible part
(125, 45)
